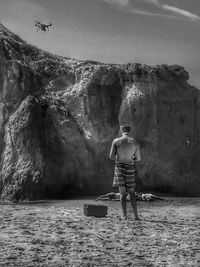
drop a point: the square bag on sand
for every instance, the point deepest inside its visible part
(95, 210)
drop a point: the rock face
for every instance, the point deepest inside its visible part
(58, 117)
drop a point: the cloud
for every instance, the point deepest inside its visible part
(180, 11)
(147, 13)
(152, 2)
(161, 9)
(120, 3)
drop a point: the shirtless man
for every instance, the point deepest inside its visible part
(125, 151)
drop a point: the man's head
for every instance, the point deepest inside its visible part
(125, 128)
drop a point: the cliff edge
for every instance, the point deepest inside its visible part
(59, 115)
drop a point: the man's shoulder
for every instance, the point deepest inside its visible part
(117, 140)
(133, 141)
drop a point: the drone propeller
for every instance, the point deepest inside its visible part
(42, 26)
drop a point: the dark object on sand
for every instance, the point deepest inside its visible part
(139, 197)
(95, 210)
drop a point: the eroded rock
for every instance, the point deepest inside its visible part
(58, 117)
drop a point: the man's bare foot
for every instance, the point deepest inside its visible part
(124, 217)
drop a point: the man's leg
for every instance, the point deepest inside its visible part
(123, 193)
(133, 202)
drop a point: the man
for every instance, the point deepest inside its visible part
(125, 151)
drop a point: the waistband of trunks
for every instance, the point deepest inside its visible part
(120, 164)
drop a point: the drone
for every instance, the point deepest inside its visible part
(42, 26)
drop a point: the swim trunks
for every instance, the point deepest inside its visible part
(124, 175)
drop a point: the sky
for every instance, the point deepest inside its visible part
(112, 31)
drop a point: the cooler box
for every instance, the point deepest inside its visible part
(95, 210)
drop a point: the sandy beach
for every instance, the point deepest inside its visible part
(56, 233)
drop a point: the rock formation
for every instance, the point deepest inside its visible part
(58, 117)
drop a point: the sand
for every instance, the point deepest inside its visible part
(56, 233)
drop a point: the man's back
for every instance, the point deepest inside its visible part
(124, 149)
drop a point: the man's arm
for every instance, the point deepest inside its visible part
(113, 151)
(137, 154)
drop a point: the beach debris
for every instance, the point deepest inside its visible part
(139, 196)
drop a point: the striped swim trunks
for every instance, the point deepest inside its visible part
(124, 175)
